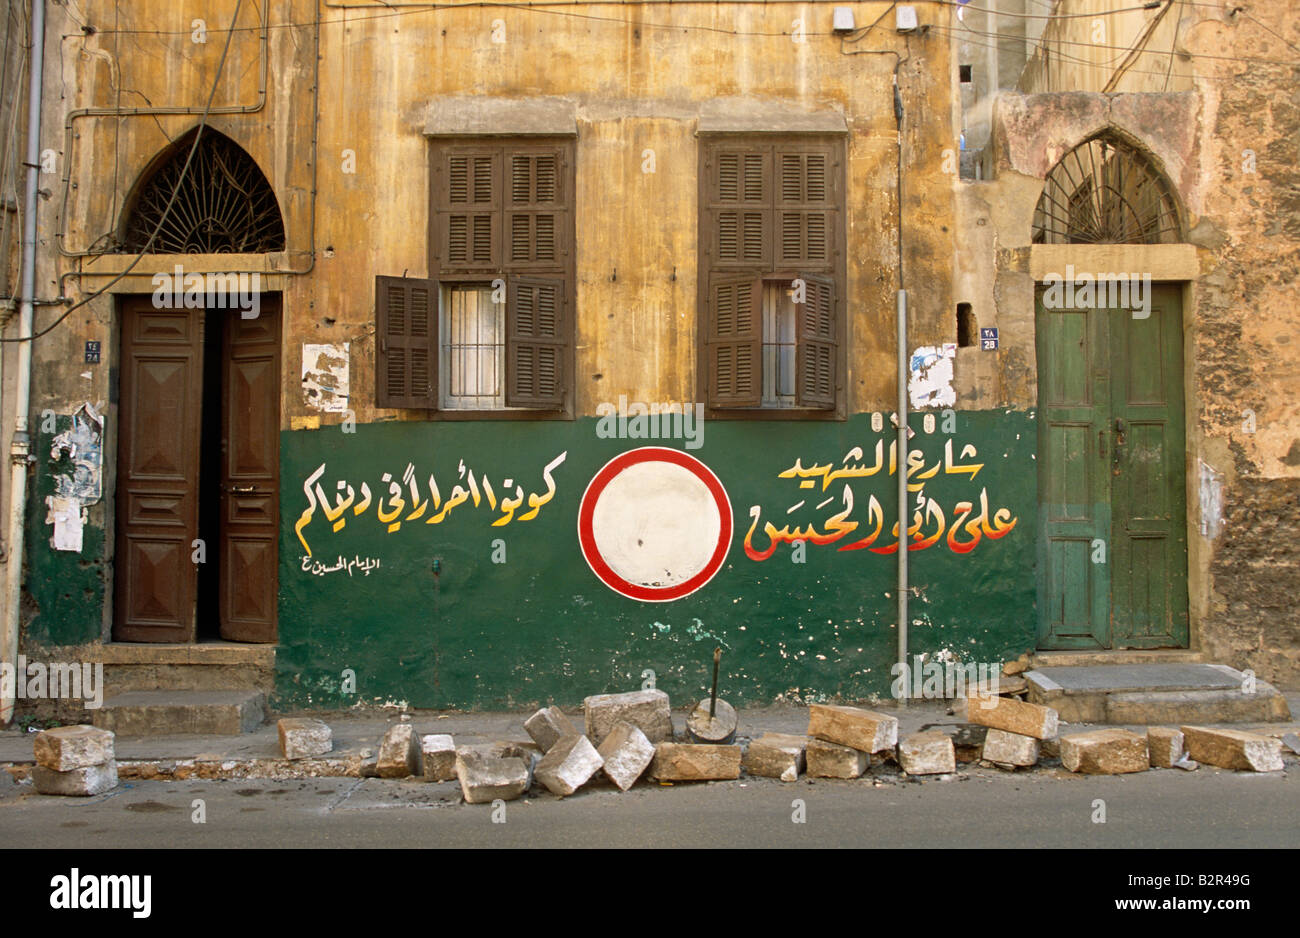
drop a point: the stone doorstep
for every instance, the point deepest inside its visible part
(169, 712)
(214, 653)
(1153, 693)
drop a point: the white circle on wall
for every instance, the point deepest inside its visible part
(655, 524)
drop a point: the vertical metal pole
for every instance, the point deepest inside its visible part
(903, 502)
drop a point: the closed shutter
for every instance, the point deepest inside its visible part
(535, 342)
(805, 203)
(815, 380)
(536, 208)
(741, 203)
(406, 342)
(469, 190)
(735, 342)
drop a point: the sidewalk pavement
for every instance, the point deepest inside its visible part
(356, 736)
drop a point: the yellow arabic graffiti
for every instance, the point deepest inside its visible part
(391, 506)
(965, 532)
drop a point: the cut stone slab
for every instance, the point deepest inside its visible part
(485, 777)
(626, 753)
(1012, 716)
(1165, 746)
(1010, 748)
(399, 752)
(568, 765)
(928, 753)
(647, 710)
(65, 748)
(1105, 752)
(548, 726)
(1139, 694)
(80, 783)
(831, 760)
(1233, 749)
(526, 750)
(776, 755)
(304, 738)
(864, 730)
(438, 757)
(173, 712)
(695, 762)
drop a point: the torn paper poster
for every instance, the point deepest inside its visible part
(930, 382)
(68, 518)
(83, 446)
(1211, 492)
(325, 377)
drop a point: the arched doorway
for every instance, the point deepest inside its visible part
(198, 406)
(1112, 546)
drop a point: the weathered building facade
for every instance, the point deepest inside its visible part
(567, 348)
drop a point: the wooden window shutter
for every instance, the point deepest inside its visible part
(741, 201)
(536, 346)
(406, 342)
(806, 194)
(536, 207)
(734, 342)
(816, 332)
(469, 217)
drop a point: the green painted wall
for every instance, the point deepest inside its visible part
(541, 627)
(65, 591)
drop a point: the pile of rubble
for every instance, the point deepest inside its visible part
(628, 736)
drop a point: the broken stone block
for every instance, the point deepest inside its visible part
(548, 726)
(1012, 716)
(695, 762)
(1105, 752)
(304, 738)
(776, 755)
(1165, 746)
(831, 760)
(647, 710)
(399, 752)
(930, 753)
(81, 783)
(1233, 749)
(852, 726)
(65, 748)
(627, 753)
(526, 750)
(568, 765)
(438, 757)
(1010, 748)
(484, 777)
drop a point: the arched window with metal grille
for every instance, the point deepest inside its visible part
(1106, 191)
(224, 204)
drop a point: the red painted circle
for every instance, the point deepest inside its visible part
(587, 537)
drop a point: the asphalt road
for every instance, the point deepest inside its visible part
(978, 808)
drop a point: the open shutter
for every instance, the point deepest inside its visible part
(734, 342)
(816, 338)
(535, 342)
(406, 342)
(470, 221)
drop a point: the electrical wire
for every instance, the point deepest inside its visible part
(203, 119)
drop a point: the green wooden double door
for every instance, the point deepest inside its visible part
(1112, 538)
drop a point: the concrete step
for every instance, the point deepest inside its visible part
(1154, 694)
(172, 712)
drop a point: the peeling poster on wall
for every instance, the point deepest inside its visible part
(325, 382)
(81, 447)
(930, 381)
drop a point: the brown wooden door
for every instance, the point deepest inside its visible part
(160, 407)
(250, 478)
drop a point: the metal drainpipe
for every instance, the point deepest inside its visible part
(901, 457)
(10, 624)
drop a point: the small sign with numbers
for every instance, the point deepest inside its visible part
(92, 353)
(989, 339)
